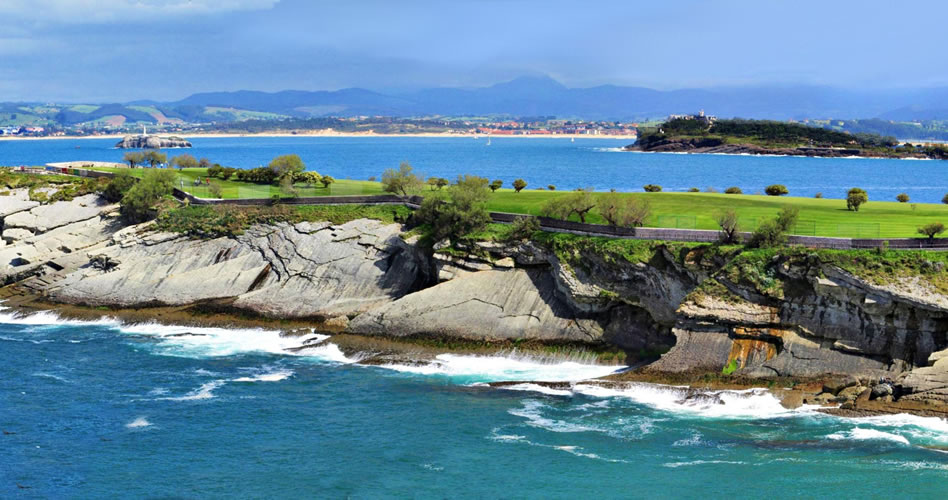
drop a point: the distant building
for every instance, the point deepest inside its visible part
(700, 116)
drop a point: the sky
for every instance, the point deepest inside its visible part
(121, 50)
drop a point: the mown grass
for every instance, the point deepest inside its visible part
(818, 217)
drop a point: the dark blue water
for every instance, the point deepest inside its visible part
(596, 163)
(100, 410)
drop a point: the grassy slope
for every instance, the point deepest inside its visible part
(818, 217)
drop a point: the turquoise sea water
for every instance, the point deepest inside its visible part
(102, 410)
(596, 163)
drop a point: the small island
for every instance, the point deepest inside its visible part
(145, 141)
(706, 134)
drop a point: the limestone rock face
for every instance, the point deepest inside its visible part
(43, 218)
(486, 305)
(930, 383)
(284, 270)
(151, 142)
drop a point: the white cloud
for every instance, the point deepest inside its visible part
(104, 11)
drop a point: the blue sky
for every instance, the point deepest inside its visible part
(118, 50)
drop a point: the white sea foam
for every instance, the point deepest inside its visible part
(496, 368)
(138, 423)
(538, 388)
(272, 376)
(861, 434)
(49, 318)
(750, 403)
(206, 391)
(532, 411)
(674, 465)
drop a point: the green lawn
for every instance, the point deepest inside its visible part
(818, 217)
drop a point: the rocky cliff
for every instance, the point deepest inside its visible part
(151, 142)
(693, 308)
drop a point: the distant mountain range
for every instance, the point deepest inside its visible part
(527, 96)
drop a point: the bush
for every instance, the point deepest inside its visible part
(733, 190)
(710, 189)
(945, 199)
(326, 180)
(932, 229)
(228, 172)
(117, 187)
(215, 190)
(818, 195)
(551, 187)
(461, 211)
(776, 190)
(402, 181)
(523, 228)
(694, 190)
(287, 165)
(652, 188)
(856, 197)
(729, 224)
(140, 199)
(437, 182)
(519, 184)
(215, 171)
(902, 198)
(259, 175)
(494, 186)
(623, 210)
(773, 232)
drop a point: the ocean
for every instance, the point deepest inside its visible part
(596, 163)
(101, 409)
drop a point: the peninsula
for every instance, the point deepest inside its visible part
(705, 134)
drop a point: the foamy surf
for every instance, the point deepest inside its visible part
(273, 376)
(503, 368)
(138, 423)
(862, 434)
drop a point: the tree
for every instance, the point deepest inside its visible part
(733, 190)
(402, 181)
(204, 163)
(623, 210)
(432, 183)
(154, 158)
(578, 202)
(776, 190)
(494, 186)
(140, 199)
(856, 197)
(523, 228)
(184, 161)
(133, 158)
(519, 184)
(902, 197)
(215, 171)
(694, 190)
(652, 188)
(228, 172)
(931, 230)
(117, 187)
(326, 180)
(945, 199)
(730, 225)
(460, 210)
(287, 165)
(551, 187)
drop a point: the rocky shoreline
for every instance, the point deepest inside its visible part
(713, 146)
(676, 314)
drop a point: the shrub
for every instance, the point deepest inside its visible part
(730, 226)
(776, 190)
(140, 199)
(733, 190)
(215, 190)
(856, 197)
(623, 210)
(652, 188)
(945, 199)
(523, 228)
(932, 229)
(115, 190)
(519, 184)
(326, 180)
(371, 178)
(902, 198)
(402, 181)
(551, 187)
(259, 175)
(462, 211)
(710, 189)
(215, 171)
(773, 232)
(287, 165)
(494, 186)
(694, 190)
(818, 195)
